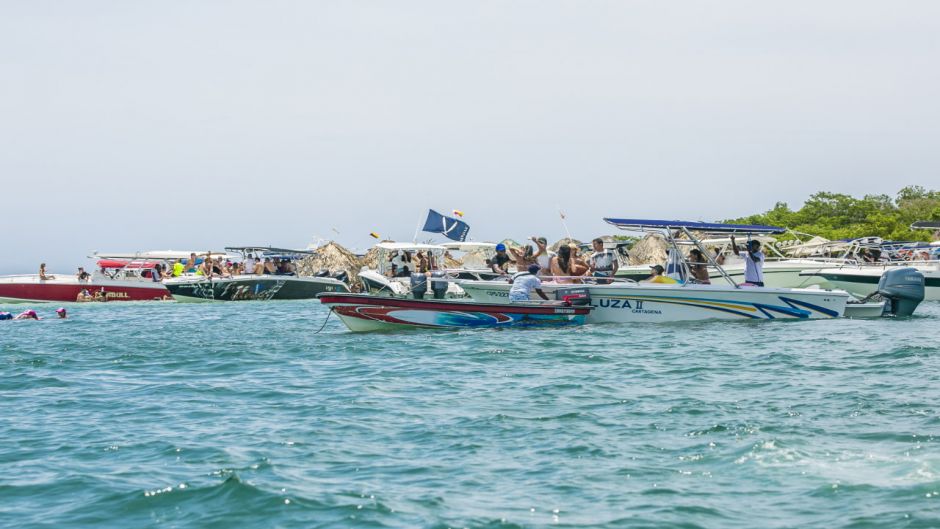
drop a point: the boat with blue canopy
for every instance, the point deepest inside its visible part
(685, 299)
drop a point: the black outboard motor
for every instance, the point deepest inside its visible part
(438, 285)
(419, 285)
(903, 288)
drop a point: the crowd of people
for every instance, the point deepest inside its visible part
(402, 263)
(566, 266)
(210, 267)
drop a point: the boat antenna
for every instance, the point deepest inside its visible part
(563, 223)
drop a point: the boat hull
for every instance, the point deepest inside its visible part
(251, 288)
(642, 303)
(863, 281)
(65, 289)
(363, 313)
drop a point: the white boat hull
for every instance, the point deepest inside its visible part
(647, 303)
(863, 280)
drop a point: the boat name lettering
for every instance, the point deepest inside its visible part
(497, 293)
(608, 303)
(122, 295)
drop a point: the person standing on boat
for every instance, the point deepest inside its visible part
(603, 262)
(523, 257)
(523, 283)
(753, 262)
(499, 263)
(698, 265)
(178, 268)
(191, 264)
(82, 275)
(543, 257)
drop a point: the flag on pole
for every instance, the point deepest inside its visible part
(453, 229)
(375, 235)
(458, 213)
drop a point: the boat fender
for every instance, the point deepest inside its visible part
(419, 285)
(903, 288)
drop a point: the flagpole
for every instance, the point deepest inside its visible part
(417, 229)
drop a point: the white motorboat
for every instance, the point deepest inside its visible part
(631, 301)
(394, 274)
(862, 279)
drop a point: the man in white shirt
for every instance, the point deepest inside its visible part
(523, 283)
(250, 264)
(753, 262)
(603, 262)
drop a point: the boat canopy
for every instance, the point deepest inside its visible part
(469, 246)
(711, 227)
(157, 254)
(267, 250)
(409, 246)
(926, 225)
(124, 263)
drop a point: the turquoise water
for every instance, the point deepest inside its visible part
(237, 415)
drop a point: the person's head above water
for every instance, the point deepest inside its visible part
(61, 313)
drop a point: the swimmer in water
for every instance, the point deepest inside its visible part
(27, 315)
(60, 312)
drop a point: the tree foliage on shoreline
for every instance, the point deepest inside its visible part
(838, 216)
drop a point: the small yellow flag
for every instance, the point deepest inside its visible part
(458, 213)
(375, 235)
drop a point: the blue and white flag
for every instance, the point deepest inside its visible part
(453, 229)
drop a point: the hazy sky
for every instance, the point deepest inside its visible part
(195, 124)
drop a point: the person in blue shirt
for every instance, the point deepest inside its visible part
(523, 283)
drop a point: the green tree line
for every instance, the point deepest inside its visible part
(839, 216)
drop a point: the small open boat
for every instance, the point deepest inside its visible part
(362, 313)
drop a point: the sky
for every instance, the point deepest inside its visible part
(130, 126)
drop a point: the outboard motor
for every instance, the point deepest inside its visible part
(419, 285)
(903, 288)
(438, 285)
(342, 275)
(574, 296)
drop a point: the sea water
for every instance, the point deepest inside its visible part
(240, 415)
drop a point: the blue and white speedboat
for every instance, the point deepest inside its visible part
(633, 302)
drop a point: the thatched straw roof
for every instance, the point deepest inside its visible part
(332, 257)
(564, 241)
(651, 249)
